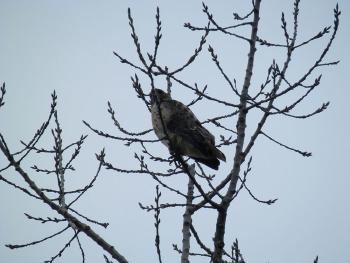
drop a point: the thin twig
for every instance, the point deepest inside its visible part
(157, 223)
(38, 241)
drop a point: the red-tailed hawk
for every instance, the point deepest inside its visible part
(186, 133)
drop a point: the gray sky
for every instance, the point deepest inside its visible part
(67, 47)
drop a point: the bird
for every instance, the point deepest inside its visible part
(186, 134)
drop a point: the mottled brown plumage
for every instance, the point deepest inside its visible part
(186, 133)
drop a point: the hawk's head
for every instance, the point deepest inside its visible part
(159, 95)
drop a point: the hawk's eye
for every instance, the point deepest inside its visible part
(152, 97)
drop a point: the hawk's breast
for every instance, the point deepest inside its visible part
(157, 122)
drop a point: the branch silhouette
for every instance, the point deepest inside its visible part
(204, 190)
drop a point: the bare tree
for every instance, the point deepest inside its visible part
(204, 191)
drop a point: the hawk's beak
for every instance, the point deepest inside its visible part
(152, 96)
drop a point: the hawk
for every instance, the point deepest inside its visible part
(186, 133)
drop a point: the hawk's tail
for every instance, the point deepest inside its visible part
(212, 162)
(219, 154)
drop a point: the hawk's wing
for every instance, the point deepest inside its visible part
(197, 142)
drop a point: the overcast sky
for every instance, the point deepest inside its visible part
(67, 46)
